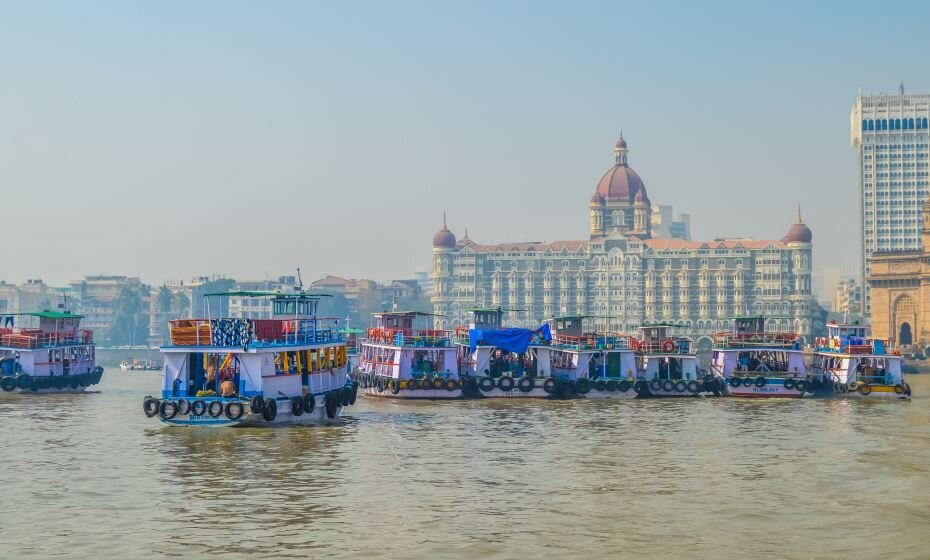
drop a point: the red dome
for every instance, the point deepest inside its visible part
(621, 144)
(444, 239)
(620, 182)
(798, 233)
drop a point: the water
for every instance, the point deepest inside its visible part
(88, 476)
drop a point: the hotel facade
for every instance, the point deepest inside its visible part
(624, 276)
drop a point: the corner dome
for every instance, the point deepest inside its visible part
(444, 239)
(798, 232)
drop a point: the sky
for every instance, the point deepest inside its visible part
(176, 139)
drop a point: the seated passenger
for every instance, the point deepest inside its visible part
(227, 389)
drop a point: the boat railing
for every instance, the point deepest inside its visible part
(251, 332)
(592, 341)
(854, 345)
(666, 346)
(37, 338)
(426, 338)
(726, 340)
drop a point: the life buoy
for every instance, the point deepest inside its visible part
(734, 381)
(582, 385)
(198, 408)
(270, 409)
(760, 381)
(668, 386)
(668, 346)
(694, 387)
(215, 409)
(167, 410)
(451, 385)
(184, 406)
(789, 383)
(549, 385)
(505, 383)
(257, 405)
(150, 405)
(309, 403)
(899, 389)
(234, 410)
(600, 385)
(297, 406)
(611, 385)
(413, 384)
(681, 386)
(486, 384)
(865, 389)
(23, 380)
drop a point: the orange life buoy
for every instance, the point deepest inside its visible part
(668, 346)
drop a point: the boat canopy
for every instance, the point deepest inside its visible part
(512, 340)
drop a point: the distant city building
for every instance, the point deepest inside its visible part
(891, 134)
(665, 225)
(625, 275)
(32, 295)
(900, 285)
(94, 297)
(249, 307)
(847, 298)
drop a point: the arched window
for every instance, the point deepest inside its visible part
(871, 124)
(884, 124)
(910, 124)
(897, 124)
(925, 122)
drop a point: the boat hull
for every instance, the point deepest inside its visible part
(434, 394)
(775, 388)
(318, 417)
(604, 394)
(877, 392)
(671, 389)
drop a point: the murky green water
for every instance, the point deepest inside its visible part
(88, 476)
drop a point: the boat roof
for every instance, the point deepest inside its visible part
(262, 293)
(48, 315)
(407, 314)
(351, 331)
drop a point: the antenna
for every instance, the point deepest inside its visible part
(300, 282)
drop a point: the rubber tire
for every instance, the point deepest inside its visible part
(789, 383)
(8, 383)
(297, 406)
(549, 385)
(309, 403)
(184, 407)
(166, 405)
(899, 389)
(198, 408)
(215, 411)
(413, 384)
(438, 383)
(582, 385)
(760, 381)
(23, 381)
(865, 389)
(451, 385)
(346, 395)
(526, 384)
(354, 394)
(600, 385)
(270, 410)
(681, 387)
(853, 386)
(331, 405)
(801, 386)
(257, 404)
(655, 385)
(508, 381)
(35, 384)
(611, 385)
(239, 408)
(150, 405)
(694, 387)
(640, 386)
(668, 386)
(486, 384)
(624, 385)
(394, 386)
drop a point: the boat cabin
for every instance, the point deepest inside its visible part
(46, 343)
(851, 339)
(750, 332)
(400, 345)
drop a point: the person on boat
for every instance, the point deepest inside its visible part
(210, 384)
(227, 389)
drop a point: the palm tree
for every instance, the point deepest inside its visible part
(165, 299)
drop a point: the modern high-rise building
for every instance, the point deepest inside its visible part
(892, 137)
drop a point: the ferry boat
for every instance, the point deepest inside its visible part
(494, 362)
(590, 364)
(754, 362)
(858, 365)
(50, 353)
(290, 369)
(667, 366)
(400, 359)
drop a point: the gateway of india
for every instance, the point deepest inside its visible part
(622, 277)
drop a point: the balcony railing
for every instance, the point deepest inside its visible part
(425, 338)
(592, 341)
(37, 338)
(727, 340)
(852, 345)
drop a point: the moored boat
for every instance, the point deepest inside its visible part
(753, 362)
(595, 365)
(290, 369)
(50, 353)
(667, 366)
(860, 366)
(399, 358)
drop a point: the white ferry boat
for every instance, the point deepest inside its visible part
(400, 359)
(495, 362)
(667, 366)
(290, 369)
(49, 353)
(756, 363)
(590, 364)
(858, 365)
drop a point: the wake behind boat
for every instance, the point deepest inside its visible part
(290, 369)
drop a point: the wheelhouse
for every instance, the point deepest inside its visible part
(401, 344)
(577, 352)
(662, 356)
(749, 348)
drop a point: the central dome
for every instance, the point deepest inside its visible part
(620, 181)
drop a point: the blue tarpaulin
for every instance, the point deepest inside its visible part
(511, 340)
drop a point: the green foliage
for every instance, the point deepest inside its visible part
(130, 323)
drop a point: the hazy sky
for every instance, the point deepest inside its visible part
(170, 139)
